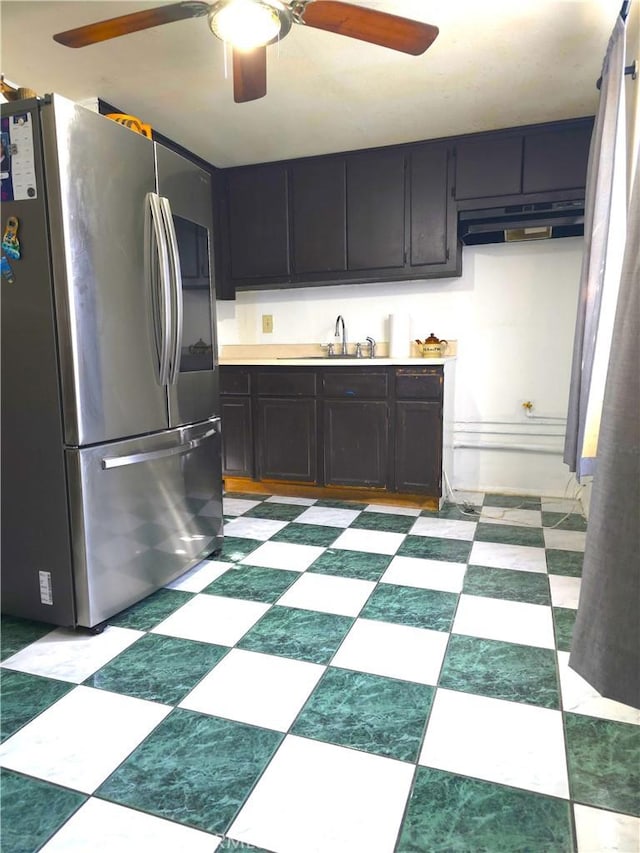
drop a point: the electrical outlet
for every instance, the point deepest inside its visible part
(267, 323)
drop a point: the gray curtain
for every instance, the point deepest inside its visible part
(608, 124)
(606, 639)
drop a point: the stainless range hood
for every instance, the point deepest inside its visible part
(542, 220)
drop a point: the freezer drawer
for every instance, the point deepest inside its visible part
(143, 511)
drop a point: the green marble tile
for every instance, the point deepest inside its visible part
(295, 633)
(513, 501)
(25, 696)
(501, 670)
(367, 712)
(194, 769)
(604, 763)
(574, 521)
(529, 587)
(16, 634)
(565, 562)
(385, 521)
(435, 548)
(280, 512)
(32, 811)
(351, 564)
(407, 605)
(158, 668)
(149, 612)
(510, 534)
(253, 582)
(455, 814)
(228, 845)
(341, 504)
(308, 534)
(564, 618)
(235, 548)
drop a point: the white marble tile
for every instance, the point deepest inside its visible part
(524, 558)
(504, 515)
(82, 738)
(237, 506)
(200, 576)
(284, 555)
(328, 594)
(600, 831)
(329, 516)
(369, 541)
(581, 698)
(565, 591)
(445, 528)
(283, 499)
(253, 528)
(315, 797)
(398, 651)
(506, 742)
(103, 827)
(392, 510)
(262, 690)
(510, 621)
(426, 574)
(70, 655)
(212, 619)
(561, 505)
(564, 540)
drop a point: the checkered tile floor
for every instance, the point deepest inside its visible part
(342, 677)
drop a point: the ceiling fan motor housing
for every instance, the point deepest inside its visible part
(280, 11)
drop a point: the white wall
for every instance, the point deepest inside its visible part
(512, 313)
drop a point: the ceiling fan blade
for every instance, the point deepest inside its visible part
(381, 28)
(249, 74)
(124, 24)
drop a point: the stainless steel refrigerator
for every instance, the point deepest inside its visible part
(111, 474)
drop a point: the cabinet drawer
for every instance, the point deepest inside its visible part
(234, 381)
(285, 383)
(419, 383)
(346, 384)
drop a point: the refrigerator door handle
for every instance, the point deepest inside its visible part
(158, 278)
(109, 462)
(176, 290)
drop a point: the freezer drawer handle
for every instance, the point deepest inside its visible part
(120, 461)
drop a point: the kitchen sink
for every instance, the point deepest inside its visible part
(327, 357)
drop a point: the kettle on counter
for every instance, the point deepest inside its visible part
(433, 347)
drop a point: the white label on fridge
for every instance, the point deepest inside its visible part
(23, 171)
(46, 590)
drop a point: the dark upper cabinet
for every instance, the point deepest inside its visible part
(556, 159)
(376, 209)
(433, 238)
(258, 211)
(319, 215)
(489, 165)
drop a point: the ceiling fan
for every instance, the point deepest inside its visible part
(250, 25)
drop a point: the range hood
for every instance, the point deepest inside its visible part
(542, 220)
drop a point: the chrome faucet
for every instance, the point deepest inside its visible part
(372, 347)
(340, 320)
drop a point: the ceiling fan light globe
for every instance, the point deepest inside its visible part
(245, 24)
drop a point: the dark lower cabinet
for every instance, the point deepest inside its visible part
(356, 446)
(286, 439)
(418, 447)
(237, 437)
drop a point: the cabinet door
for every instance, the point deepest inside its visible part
(433, 237)
(356, 443)
(258, 222)
(319, 215)
(556, 159)
(237, 437)
(287, 443)
(418, 447)
(375, 210)
(488, 166)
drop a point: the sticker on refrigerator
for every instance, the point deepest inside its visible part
(5, 270)
(46, 589)
(17, 164)
(10, 242)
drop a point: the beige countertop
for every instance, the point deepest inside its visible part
(333, 361)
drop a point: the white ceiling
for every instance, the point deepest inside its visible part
(495, 63)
